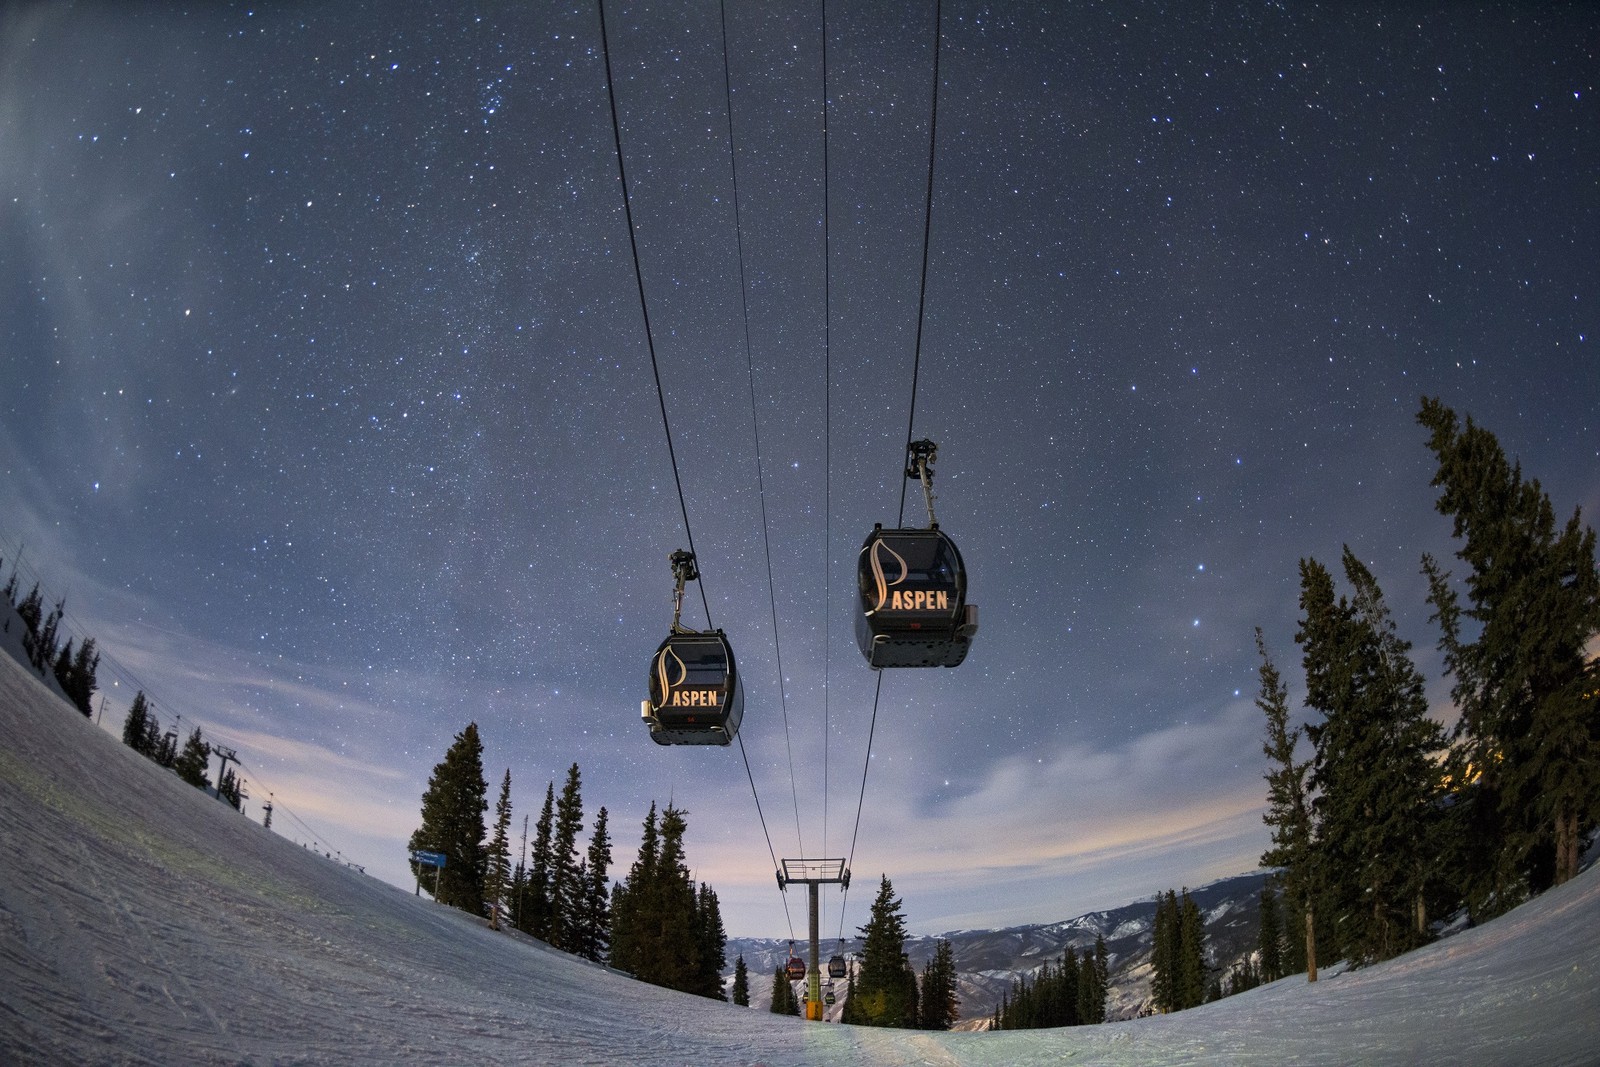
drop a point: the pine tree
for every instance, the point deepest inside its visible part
(1191, 954)
(80, 683)
(1164, 954)
(75, 673)
(497, 869)
(566, 887)
(44, 649)
(134, 727)
(191, 765)
(939, 1005)
(594, 935)
(1529, 731)
(536, 905)
(1293, 849)
(662, 931)
(1372, 766)
(1178, 959)
(164, 745)
(228, 789)
(784, 1002)
(672, 953)
(452, 822)
(31, 612)
(62, 666)
(884, 994)
(1092, 983)
(1270, 941)
(741, 982)
(628, 904)
(711, 944)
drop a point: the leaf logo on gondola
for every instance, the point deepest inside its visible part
(877, 571)
(663, 670)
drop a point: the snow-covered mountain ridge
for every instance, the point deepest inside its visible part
(989, 962)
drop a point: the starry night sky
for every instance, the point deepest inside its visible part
(326, 396)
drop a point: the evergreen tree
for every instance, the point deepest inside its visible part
(741, 982)
(939, 1005)
(1178, 959)
(31, 612)
(784, 1002)
(80, 682)
(566, 887)
(191, 765)
(594, 935)
(497, 870)
(1372, 765)
(1164, 954)
(1529, 731)
(164, 745)
(711, 944)
(75, 673)
(1270, 942)
(1289, 814)
(134, 727)
(884, 994)
(1405, 823)
(1093, 980)
(1191, 954)
(662, 931)
(43, 652)
(629, 917)
(228, 789)
(452, 822)
(672, 953)
(536, 906)
(61, 667)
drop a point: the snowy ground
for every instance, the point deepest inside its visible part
(143, 922)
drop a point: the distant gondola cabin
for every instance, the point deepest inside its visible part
(695, 697)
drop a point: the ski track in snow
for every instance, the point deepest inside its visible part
(142, 922)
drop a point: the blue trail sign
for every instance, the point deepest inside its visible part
(429, 859)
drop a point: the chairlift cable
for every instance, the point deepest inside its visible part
(638, 277)
(927, 229)
(827, 442)
(916, 366)
(755, 429)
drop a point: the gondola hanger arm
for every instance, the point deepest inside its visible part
(920, 458)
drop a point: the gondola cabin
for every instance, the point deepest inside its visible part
(695, 697)
(913, 600)
(836, 967)
(795, 969)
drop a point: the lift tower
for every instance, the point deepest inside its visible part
(812, 873)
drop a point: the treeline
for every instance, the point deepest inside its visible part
(1071, 993)
(141, 731)
(656, 924)
(74, 669)
(1390, 820)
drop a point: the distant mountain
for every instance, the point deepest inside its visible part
(989, 962)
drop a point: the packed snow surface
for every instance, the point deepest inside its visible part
(142, 921)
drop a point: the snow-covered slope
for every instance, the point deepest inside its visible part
(143, 922)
